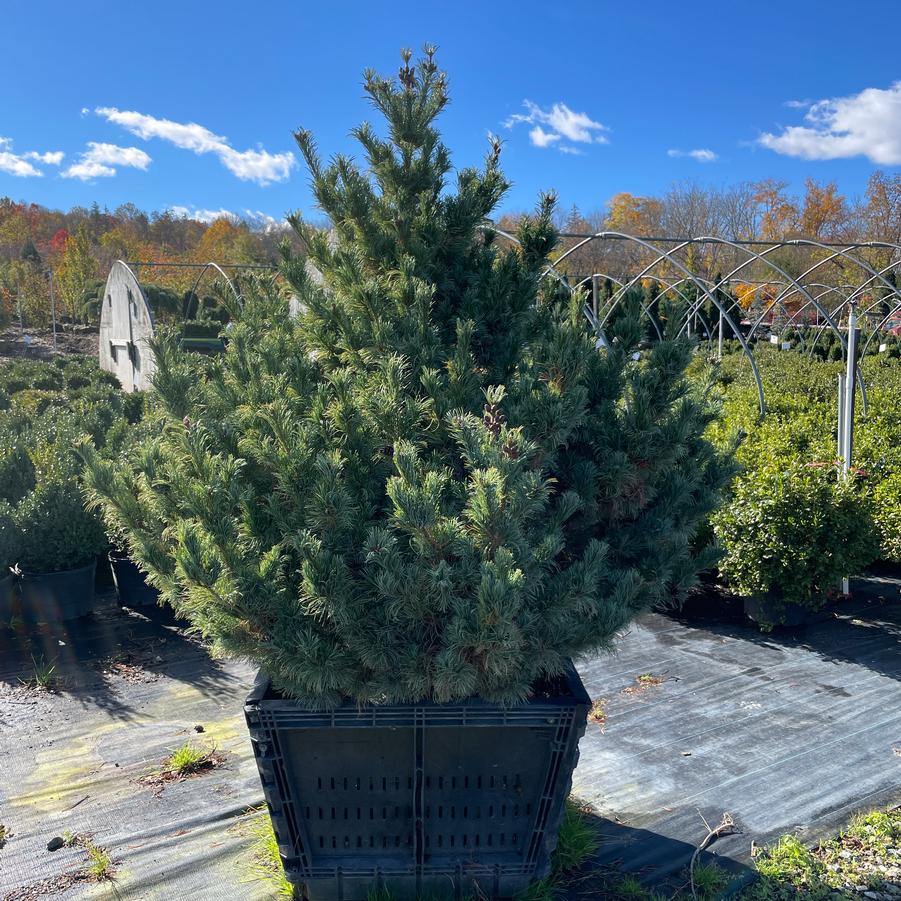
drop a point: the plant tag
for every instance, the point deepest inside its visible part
(883, 348)
(786, 345)
(774, 339)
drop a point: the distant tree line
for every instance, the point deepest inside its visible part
(761, 211)
(79, 246)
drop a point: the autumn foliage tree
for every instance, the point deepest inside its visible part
(77, 268)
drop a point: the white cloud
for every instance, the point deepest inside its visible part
(265, 222)
(256, 218)
(22, 165)
(16, 165)
(701, 154)
(541, 138)
(201, 215)
(563, 127)
(50, 158)
(865, 124)
(102, 160)
(259, 166)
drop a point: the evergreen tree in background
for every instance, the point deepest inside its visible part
(30, 253)
(431, 483)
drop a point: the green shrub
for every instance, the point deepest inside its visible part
(887, 516)
(33, 401)
(18, 375)
(202, 328)
(16, 468)
(794, 529)
(134, 406)
(10, 539)
(80, 371)
(56, 530)
(164, 302)
(53, 406)
(801, 422)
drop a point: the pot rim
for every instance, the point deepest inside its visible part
(27, 573)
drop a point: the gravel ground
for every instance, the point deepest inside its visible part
(38, 343)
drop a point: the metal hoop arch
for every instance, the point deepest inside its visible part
(207, 266)
(613, 278)
(669, 255)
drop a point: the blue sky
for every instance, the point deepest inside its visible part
(191, 105)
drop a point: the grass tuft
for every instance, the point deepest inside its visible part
(710, 880)
(788, 868)
(598, 714)
(100, 863)
(630, 889)
(188, 759)
(265, 860)
(183, 763)
(576, 843)
(880, 828)
(43, 674)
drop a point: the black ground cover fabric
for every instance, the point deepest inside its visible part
(782, 731)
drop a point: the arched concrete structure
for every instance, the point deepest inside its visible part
(126, 327)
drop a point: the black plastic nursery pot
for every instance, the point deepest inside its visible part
(443, 800)
(57, 596)
(771, 610)
(8, 596)
(132, 589)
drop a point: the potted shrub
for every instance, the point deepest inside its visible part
(9, 552)
(16, 480)
(790, 533)
(60, 541)
(132, 588)
(412, 504)
(40, 476)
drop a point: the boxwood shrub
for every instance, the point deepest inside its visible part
(793, 531)
(779, 528)
(52, 407)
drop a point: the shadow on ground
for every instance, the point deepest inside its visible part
(94, 655)
(864, 630)
(658, 863)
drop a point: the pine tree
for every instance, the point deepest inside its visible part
(431, 483)
(30, 253)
